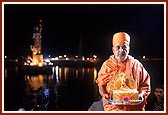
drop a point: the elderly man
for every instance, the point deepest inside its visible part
(121, 61)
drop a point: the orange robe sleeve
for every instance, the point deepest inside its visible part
(142, 77)
(104, 74)
(108, 70)
(143, 82)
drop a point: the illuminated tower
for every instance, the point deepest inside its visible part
(37, 57)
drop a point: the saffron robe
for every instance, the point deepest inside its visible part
(131, 67)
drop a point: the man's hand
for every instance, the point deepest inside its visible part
(141, 97)
(105, 98)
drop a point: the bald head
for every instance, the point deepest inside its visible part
(121, 38)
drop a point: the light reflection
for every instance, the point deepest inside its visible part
(83, 71)
(61, 75)
(36, 81)
(56, 73)
(16, 68)
(95, 74)
(6, 73)
(76, 72)
(66, 70)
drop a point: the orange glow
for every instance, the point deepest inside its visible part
(40, 64)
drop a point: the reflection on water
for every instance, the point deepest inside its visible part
(60, 75)
(70, 88)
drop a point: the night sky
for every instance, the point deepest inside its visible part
(66, 26)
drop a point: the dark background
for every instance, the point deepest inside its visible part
(65, 26)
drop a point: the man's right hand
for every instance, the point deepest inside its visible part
(105, 99)
(108, 107)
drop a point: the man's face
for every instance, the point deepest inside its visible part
(121, 51)
(159, 93)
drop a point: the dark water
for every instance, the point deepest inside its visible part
(70, 88)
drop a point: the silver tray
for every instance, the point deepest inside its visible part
(130, 102)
